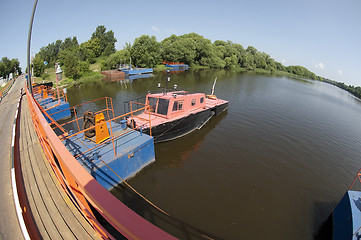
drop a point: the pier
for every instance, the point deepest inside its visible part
(46, 210)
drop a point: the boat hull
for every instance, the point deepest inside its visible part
(134, 151)
(220, 108)
(347, 217)
(180, 127)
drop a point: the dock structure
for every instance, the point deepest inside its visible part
(55, 197)
(54, 214)
(48, 212)
(49, 195)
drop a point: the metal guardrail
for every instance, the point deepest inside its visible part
(6, 90)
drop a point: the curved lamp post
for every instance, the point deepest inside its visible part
(29, 40)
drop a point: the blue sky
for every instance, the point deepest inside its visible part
(322, 35)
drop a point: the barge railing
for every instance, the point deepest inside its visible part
(147, 107)
(90, 197)
(358, 176)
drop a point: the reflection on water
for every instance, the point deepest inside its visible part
(187, 145)
(275, 165)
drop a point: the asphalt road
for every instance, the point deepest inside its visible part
(9, 225)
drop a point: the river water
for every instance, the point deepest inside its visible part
(273, 166)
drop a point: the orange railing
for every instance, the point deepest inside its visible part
(358, 176)
(49, 91)
(146, 109)
(110, 121)
(85, 191)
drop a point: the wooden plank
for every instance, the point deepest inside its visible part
(29, 189)
(23, 143)
(63, 211)
(56, 226)
(38, 202)
(68, 220)
(48, 222)
(71, 213)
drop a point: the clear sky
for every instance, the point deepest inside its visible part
(321, 35)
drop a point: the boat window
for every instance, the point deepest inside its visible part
(202, 99)
(152, 103)
(163, 106)
(193, 102)
(177, 105)
(180, 105)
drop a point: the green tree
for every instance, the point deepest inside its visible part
(2, 69)
(84, 67)
(8, 66)
(70, 63)
(15, 65)
(106, 39)
(114, 59)
(90, 50)
(145, 51)
(69, 42)
(50, 52)
(251, 50)
(38, 66)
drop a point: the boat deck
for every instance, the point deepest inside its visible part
(53, 212)
(133, 151)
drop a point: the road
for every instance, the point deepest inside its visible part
(9, 227)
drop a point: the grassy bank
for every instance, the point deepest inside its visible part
(93, 76)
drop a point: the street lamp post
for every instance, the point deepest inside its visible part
(29, 40)
(59, 76)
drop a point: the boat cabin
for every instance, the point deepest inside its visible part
(172, 104)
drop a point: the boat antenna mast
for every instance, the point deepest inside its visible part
(166, 83)
(214, 85)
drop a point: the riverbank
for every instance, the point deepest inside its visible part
(93, 76)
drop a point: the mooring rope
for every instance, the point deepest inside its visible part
(156, 207)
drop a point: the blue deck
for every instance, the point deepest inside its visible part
(347, 217)
(134, 71)
(58, 110)
(139, 76)
(134, 151)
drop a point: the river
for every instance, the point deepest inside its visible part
(273, 166)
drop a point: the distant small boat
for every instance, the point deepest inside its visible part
(175, 114)
(129, 70)
(135, 71)
(175, 64)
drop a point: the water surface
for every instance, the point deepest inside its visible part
(273, 166)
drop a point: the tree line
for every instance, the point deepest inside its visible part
(194, 49)
(8, 66)
(75, 58)
(146, 51)
(356, 91)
